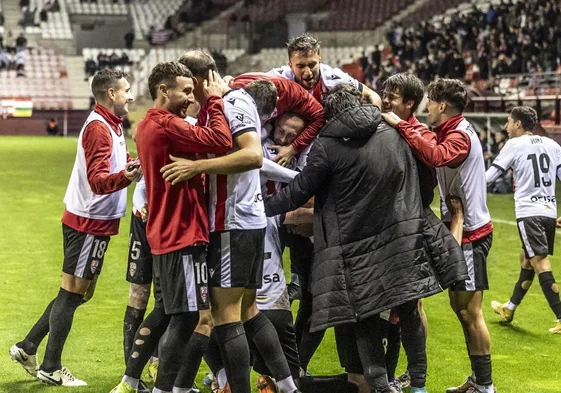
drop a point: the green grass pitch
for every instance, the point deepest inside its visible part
(34, 172)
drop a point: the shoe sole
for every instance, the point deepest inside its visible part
(15, 355)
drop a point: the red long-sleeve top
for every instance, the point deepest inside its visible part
(98, 145)
(447, 146)
(178, 215)
(444, 147)
(291, 98)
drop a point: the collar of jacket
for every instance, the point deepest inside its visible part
(449, 125)
(358, 122)
(114, 121)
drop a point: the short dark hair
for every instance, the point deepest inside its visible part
(264, 93)
(408, 86)
(166, 72)
(451, 91)
(104, 80)
(199, 62)
(303, 43)
(340, 98)
(526, 115)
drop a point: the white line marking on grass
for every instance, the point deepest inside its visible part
(497, 220)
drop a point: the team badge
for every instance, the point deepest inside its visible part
(204, 294)
(94, 265)
(132, 269)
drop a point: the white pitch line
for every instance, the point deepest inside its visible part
(497, 220)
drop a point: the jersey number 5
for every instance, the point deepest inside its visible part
(543, 166)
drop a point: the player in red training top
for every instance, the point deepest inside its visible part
(95, 200)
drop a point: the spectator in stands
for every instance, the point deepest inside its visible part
(52, 127)
(90, 68)
(43, 15)
(5, 59)
(21, 43)
(526, 36)
(129, 39)
(1, 22)
(20, 59)
(28, 17)
(23, 3)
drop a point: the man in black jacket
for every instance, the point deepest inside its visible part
(369, 230)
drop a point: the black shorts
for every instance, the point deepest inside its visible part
(475, 255)
(180, 280)
(140, 255)
(537, 235)
(235, 258)
(83, 253)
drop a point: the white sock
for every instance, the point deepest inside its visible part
(222, 379)
(132, 382)
(181, 390)
(511, 306)
(153, 359)
(287, 385)
(485, 389)
(156, 390)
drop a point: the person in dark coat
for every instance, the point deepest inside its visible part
(369, 231)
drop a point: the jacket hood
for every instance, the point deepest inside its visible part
(359, 122)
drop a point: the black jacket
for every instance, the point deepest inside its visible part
(369, 224)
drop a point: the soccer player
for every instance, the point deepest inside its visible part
(455, 151)
(177, 226)
(237, 224)
(401, 94)
(95, 201)
(305, 68)
(139, 272)
(291, 98)
(272, 297)
(536, 161)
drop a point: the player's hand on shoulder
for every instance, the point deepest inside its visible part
(391, 118)
(214, 85)
(180, 169)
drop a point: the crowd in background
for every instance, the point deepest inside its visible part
(13, 52)
(509, 38)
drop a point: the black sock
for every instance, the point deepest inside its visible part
(212, 356)
(392, 350)
(413, 338)
(235, 355)
(551, 291)
(308, 345)
(263, 334)
(196, 349)
(133, 319)
(60, 323)
(481, 366)
(146, 340)
(38, 332)
(173, 345)
(522, 285)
